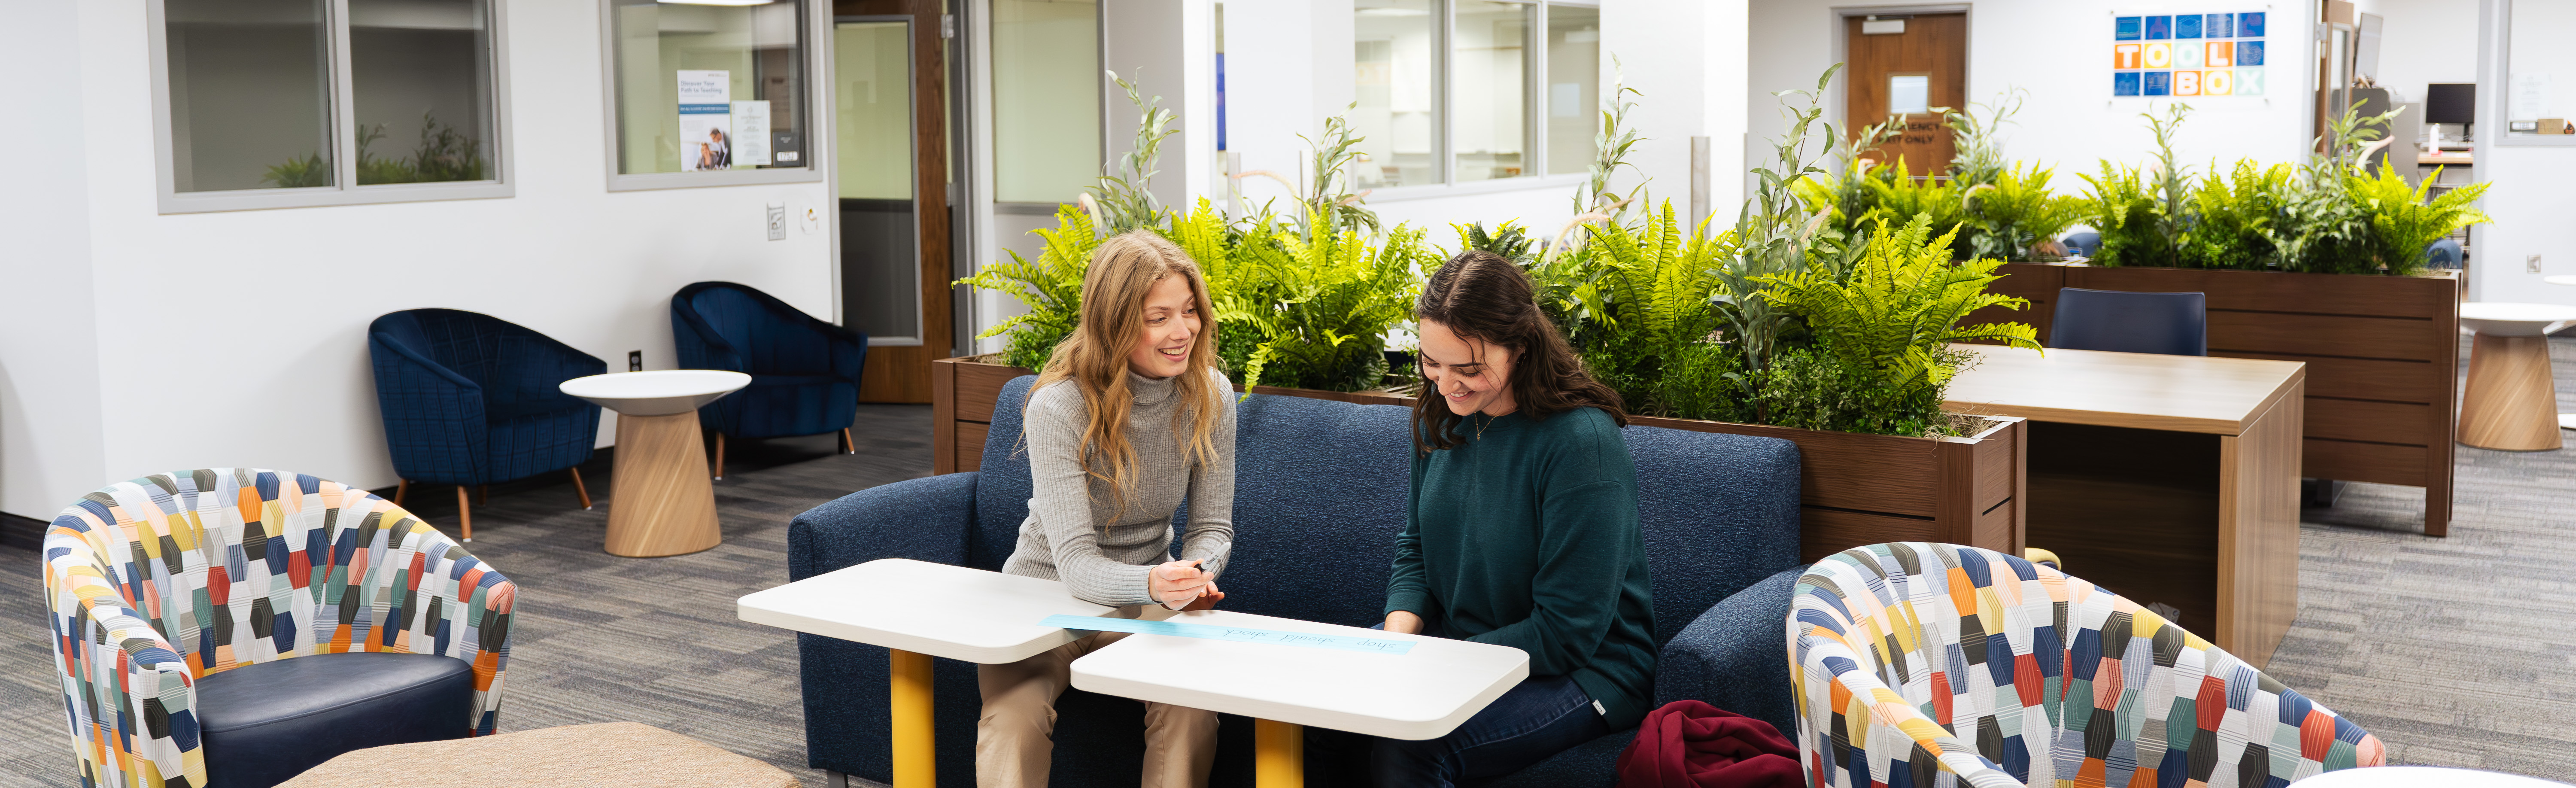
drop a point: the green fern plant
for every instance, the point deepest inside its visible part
(2237, 216)
(1312, 309)
(309, 170)
(1883, 327)
(2404, 223)
(2010, 217)
(1051, 288)
(1901, 198)
(1643, 300)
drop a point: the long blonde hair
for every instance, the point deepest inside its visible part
(1123, 272)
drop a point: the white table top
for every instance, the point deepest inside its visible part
(2561, 279)
(936, 609)
(2507, 319)
(664, 392)
(2422, 777)
(1421, 694)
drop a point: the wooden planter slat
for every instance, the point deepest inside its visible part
(1856, 489)
(2382, 355)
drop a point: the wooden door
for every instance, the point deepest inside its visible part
(1923, 68)
(899, 372)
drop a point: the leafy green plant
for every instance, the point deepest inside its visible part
(2237, 217)
(1774, 233)
(1051, 288)
(2012, 216)
(1645, 299)
(1126, 198)
(444, 154)
(1882, 330)
(1977, 136)
(1901, 198)
(1312, 309)
(310, 170)
(2404, 223)
(1610, 152)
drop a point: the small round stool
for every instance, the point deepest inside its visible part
(2422, 777)
(2512, 401)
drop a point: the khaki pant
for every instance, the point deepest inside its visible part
(1016, 736)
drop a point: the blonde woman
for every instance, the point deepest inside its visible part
(1129, 418)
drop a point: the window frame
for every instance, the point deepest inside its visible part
(809, 36)
(1534, 139)
(344, 188)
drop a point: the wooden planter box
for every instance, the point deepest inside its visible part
(2382, 354)
(1857, 489)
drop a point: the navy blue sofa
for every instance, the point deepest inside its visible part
(1320, 489)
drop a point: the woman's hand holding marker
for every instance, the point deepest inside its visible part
(1183, 585)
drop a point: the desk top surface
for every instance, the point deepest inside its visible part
(2204, 394)
(1421, 694)
(935, 609)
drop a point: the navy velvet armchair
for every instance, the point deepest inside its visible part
(470, 399)
(804, 370)
(1320, 491)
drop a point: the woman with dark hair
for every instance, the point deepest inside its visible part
(1521, 531)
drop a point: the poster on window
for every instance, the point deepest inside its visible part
(2187, 55)
(751, 133)
(706, 120)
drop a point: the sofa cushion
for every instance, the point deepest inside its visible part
(268, 722)
(1319, 495)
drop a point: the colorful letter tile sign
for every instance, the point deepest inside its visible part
(2187, 54)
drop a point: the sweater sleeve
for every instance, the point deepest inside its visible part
(1209, 536)
(1587, 537)
(1060, 499)
(1408, 588)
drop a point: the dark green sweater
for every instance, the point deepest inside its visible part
(1527, 537)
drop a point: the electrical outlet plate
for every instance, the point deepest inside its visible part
(2531, 263)
(634, 361)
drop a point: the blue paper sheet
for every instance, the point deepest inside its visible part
(1238, 634)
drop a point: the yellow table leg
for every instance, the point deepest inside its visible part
(916, 761)
(1278, 755)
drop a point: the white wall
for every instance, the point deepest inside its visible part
(2058, 51)
(240, 338)
(51, 445)
(2529, 210)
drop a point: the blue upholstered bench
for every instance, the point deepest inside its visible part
(1320, 490)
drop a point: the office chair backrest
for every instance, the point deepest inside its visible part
(2444, 253)
(2083, 244)
(2174, 324)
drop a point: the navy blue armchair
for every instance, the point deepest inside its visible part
(804, 370)
(1320, 491)
(470, 399)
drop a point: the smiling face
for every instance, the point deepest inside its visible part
(1472, 375)
(1171, 328)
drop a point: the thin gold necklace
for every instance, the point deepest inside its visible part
(1480, 427)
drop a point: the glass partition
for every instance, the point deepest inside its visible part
(1490, 79)
(421, 87)
(873, 118)
(1046, 99)
(709, 87)
(1573, 87)
(1397, 89)
(250, 85)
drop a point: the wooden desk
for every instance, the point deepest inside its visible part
(2169, 479)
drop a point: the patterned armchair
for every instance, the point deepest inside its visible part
(2054, 682)
(804, 371)
(234, 626)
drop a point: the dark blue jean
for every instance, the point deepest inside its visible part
(1531, 722)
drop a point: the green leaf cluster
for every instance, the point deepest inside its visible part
(1310, 309)
(444, 154)
(1050, 287)
(1636, 300)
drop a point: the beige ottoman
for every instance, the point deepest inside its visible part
(613, 753)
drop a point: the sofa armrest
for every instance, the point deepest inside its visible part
(131, 697)
(1734, 657)
(923, 519)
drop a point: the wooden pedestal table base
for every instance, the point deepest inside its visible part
(664, 504)
(2511, 403)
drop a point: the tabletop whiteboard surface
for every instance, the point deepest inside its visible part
(2207, 394)
(936, 609)
(1421, 694)
(2422, 777)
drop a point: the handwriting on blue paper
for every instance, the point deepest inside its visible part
(1237, 634)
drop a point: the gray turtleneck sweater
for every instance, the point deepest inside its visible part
(1077, 534)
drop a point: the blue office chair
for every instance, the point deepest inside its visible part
(804, 371)
(2084, 244)
(471, 399)
(2174, 324)
(2444, 253)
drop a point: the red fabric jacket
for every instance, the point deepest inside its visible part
(1689, 744)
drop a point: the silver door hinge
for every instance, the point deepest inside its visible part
(947, 25)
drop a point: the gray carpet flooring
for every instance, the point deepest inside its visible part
(2456, 652)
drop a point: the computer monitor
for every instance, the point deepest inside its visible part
(2451, 102)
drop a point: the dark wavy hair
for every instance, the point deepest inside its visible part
(1481, 296)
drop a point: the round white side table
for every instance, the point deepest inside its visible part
(2422, 777)
(661, 502)
(2566, 421)
(2512, 402)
